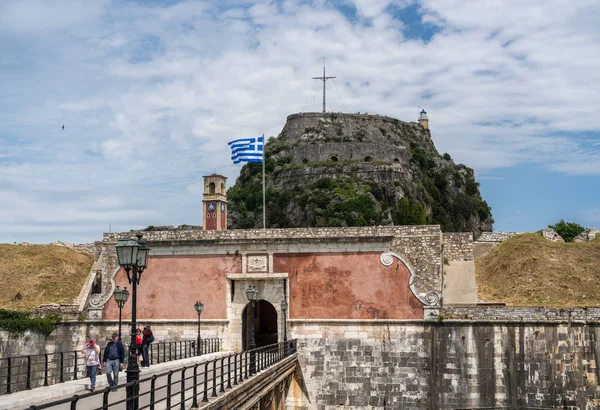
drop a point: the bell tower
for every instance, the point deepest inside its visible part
(424, 119)
(214, 203)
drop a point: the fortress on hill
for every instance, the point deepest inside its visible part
(385, 314)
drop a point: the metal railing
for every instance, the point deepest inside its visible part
(32, 371)
(182, 388)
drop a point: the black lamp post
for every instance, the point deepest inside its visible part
(199, 306)
(133, 258)
(284, 307)
(121, 296)
(252, 295)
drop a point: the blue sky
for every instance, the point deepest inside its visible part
(151, 91)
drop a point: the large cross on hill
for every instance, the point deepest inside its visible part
(324, 79)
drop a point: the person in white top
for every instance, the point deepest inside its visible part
(91, 352)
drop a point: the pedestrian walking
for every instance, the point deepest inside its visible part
(138, 344)
(114, 356)
(148, 338)
(91, 351)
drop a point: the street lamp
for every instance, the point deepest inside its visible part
(133, 258)
(199, 306)
(121, 296)
(284, 307)
(252, 295)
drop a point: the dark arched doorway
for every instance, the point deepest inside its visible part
(265, 324)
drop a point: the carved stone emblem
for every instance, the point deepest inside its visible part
(257, 263)
(95, 299)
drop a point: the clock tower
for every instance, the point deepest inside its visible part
(214, 204)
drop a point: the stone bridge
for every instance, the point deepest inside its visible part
(258, 379)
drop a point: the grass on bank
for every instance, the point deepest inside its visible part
(528, 270)
(31, 275)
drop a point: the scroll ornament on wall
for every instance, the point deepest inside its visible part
(428, 299)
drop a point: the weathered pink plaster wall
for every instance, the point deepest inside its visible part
(172, 284)
(347, 286)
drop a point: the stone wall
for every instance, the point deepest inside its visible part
(458, 246)
(71, 336)
(520, 313)
(447, 365)
(420, 246)
(496, 236)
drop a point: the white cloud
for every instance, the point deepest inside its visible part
(150, 94)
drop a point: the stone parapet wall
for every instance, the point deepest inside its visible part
(496, 236)
(458, 246)
(290, 234)
(423, 254)
(446, 365)
(519, 313)
(70, 336)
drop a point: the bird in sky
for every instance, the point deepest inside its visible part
(63, 127)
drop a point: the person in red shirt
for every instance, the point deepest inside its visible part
(138, 342)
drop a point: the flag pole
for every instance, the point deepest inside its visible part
(264, 202)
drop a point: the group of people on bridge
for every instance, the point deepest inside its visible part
(113, 358)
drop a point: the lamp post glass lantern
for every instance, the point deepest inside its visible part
(121, 296)
(252, 295)
(133, 258)
(199, 306)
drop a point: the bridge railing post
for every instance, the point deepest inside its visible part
(182, 400)
(222, 375)
(235, 367)
(205, 396)
(8, 374)
(229, 372)
(28, 386)
(153, 392)
(62, 368)
(214, 379)
(195, 392)
(169, 376)
(46, 369)
(75, 369)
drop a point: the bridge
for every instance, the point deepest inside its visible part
(254, 379)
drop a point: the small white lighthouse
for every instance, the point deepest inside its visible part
(423, 119)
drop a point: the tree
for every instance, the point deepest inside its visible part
(567, 230)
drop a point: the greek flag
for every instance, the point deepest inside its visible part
(247, 150)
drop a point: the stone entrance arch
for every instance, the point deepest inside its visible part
(271, 291)
(265, 324)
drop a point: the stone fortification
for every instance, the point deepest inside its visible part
(352, 137)
(447, 365)
(503, 313)
(458, 246)
(333, 169)
(496, 236)
(420, 245)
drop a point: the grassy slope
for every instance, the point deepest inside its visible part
(528, 270)
(41, 274)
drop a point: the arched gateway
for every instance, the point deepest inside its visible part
(265, 324)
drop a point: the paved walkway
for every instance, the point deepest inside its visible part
(24, 399)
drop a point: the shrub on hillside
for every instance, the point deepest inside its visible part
(19, 321)
(567, 230)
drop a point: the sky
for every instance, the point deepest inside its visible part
(150, 92)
